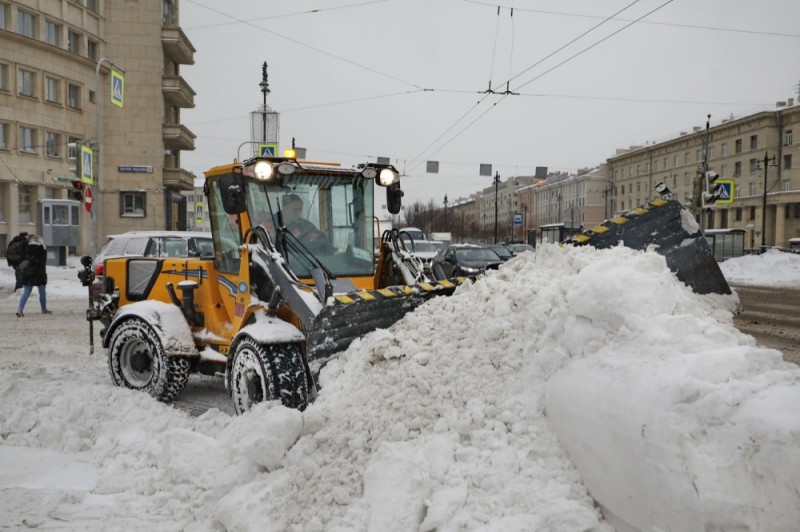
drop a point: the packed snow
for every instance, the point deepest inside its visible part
(572, 389)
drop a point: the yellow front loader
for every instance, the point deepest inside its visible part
(287, 290)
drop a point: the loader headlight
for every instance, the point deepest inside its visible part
(370, 172)
(388, 177)
(263, 170)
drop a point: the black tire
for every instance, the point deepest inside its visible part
(136, 360)
(267, 372)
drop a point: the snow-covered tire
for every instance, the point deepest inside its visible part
(267, 372)
(136, 360)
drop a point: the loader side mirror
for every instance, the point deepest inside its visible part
(393, 198)
(231, 189)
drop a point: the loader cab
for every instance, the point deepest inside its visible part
(324, 211)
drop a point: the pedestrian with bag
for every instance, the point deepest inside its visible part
(33, 271)
(15, 254)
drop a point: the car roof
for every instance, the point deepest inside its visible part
(184, 234)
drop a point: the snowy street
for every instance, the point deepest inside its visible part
(579, 390)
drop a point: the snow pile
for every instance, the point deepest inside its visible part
(445, 422)
(773, 268)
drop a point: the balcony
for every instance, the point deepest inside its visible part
(178, 137)
(177, 45)
(177, 92)
(178, 179)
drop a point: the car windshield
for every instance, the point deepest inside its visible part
(424, 246)
(476, 254)
(501, 251)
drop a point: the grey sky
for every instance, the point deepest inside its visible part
(347, 77)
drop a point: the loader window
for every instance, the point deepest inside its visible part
(225, 232)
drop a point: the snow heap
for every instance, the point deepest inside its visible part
(773, 268)
(468, 414)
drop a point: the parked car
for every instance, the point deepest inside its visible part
(424, 250)
(464, 259)
(151, 244)
(503, 252)
(411, 233)
(516, 249)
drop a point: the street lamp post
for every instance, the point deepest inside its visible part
(445, 212)
(96, 150)
(496, 184)
(767, 162)
(264, 90)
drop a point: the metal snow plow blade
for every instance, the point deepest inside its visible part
(667, 224)
(357, 313)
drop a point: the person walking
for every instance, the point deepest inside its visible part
(34, 273)
(15, 254)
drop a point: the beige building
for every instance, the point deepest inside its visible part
(736, 150)
(56, 58)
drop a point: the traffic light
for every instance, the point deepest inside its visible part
(77, 189)
(712, 192)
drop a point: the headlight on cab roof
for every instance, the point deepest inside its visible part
(387, 177)
(263, 170)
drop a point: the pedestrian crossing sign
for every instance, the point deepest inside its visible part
(117, 88)
(724, 191)
(267, 150)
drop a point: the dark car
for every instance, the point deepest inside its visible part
(516, 249)
(503, 252)
(459, 260)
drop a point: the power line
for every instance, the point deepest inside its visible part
(314, 48)
(655, 23)
(286, 15)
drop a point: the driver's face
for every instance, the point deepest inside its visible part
(292, 211)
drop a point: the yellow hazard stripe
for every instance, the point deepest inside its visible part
(425, 286)
(344, 299)
(640, 211)
(619, 220)
(599, 229)
(445, 283)
(363, 294)
(386, 292)
(581, 238)
(658, 202)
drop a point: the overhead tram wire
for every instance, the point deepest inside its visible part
(285, 15)
(314, 48)
(418, 159)
(570, 58)
(652, 22)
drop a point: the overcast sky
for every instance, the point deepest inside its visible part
(405, 79)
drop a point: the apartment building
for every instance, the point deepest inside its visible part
(575, 200)
(56, 63)
(735, 149)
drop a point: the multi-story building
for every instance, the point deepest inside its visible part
(734, 149)
(575, 200)
(56, 63)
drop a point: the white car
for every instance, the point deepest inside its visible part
(424, 250)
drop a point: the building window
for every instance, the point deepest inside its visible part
(752, 189)
(53, 144)
(752, 213)
(674, 181)
(27, 83)
(74, 42)
(91, 50)
(724, 149)
(24, 199)
(3, 136)
(73, 96)
(699, 156)
(723, 170)
(712, 152)
(753, 142)
(655, 166)
(52, 33)
(787, 137)
(675, 161)
(686, 180)
(737, 191)
(787, 161)
(3, 17)
(787, 185)
(52, 90)
(738, 146)
(3, 77)
(132, 204)
(26, 23)
(737, 169)
(27, 139)
(737, 214)
(91, 5)
(753, 166)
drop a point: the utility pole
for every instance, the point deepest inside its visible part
(264, 90)
(445, 212)
(767, 162)
(95, 144)
(496, 186)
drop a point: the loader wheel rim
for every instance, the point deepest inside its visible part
(250, 383)
(136, 363)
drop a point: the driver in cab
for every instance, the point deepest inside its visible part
(304, 230)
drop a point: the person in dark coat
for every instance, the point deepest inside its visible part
(34, 273)
(15, 254)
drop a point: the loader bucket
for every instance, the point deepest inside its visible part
(352, 315)
(668, 225)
